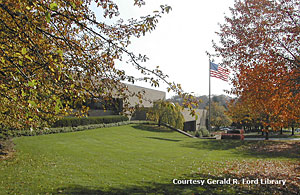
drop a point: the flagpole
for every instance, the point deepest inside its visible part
(209, 101)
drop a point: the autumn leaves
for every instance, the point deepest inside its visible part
(260, 43)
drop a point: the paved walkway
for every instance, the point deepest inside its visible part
(179, 131)
(281, 139)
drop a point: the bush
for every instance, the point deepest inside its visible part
(4, 134)
(74, 121)
(198, 134)
(237, 131)
(204, 132)
(232, 136)
(10, 133)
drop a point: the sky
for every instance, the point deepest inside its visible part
(179, 43)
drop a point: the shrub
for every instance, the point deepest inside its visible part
(236, 131)
(10, 133)
(74, 121)
(204, 132)
(2, 136)
(232, 136)
(5, 133)
(198, 134)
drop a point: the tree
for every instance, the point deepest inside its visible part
(260, 42)
(56, 54)
(218, 116)
(166, 112)
(202, 100)
(221, 99)
(242, 116)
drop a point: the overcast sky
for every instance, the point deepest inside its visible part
(179, 42)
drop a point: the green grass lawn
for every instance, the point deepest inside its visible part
(140, 159)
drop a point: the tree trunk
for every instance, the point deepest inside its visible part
(267, 135)
(293, 130)
(281, 131)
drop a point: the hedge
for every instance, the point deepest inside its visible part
(236, 131)
(232, 136)
(16, 133)
(74, 121)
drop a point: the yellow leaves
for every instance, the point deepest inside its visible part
(60, 52)
(20, 62)
(52, 50)
(51, 68)
(29, 58)
(24, 51)
(3, 60)
(23, 93)
(73, 5)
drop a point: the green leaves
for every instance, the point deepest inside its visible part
(166, 112)
(73, 5)
(53, 6)
(32, 83)
(32, 103)
(58, 51)
(58, 106)
(48, 17)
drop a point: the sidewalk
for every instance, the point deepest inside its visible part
(281, 139)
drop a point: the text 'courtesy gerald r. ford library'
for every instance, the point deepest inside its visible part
(228, 181)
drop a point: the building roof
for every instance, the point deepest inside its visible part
(150, 95)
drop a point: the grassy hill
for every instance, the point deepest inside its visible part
(140, 159)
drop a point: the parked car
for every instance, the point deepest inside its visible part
(225, 128)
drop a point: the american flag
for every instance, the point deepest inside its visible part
(218, 72)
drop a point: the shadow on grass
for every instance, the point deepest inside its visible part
(170, 188)
(165, 139)
(149, 188)
(153, 189)
(152, 128)
(257, 149)
(214, 144)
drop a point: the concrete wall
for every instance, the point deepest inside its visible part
(200, 122)
(150, 95)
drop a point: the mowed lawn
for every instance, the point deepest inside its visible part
(140, 159)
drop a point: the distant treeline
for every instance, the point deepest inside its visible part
(221, 99)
